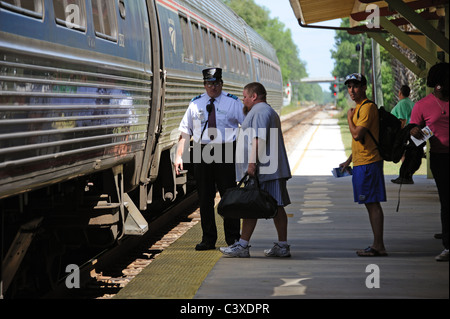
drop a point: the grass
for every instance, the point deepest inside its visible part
(288, 109)
(294, 107)
(389, 167)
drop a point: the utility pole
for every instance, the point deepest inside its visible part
(376, 63)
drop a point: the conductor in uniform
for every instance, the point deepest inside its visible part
(212, 119)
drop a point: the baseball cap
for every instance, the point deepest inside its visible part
(357, 77)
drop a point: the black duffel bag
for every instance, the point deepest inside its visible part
(249, 201)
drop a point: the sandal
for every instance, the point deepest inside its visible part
(370, 252)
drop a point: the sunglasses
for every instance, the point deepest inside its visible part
(215, 84)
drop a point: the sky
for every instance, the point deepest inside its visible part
(314, 44)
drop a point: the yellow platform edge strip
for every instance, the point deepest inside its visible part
(178, 272)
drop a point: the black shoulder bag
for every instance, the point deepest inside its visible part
(247, 201)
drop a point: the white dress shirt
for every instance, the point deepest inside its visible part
(229, 115)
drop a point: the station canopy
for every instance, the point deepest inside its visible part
(415, 23)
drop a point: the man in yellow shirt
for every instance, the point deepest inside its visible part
(368, 177)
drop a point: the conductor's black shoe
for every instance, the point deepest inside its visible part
(205, 246)
(401, 180)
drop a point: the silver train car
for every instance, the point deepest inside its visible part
(91, 96)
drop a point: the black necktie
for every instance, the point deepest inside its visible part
(211, 113)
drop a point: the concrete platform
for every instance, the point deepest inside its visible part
(325, 229)
(319, 149)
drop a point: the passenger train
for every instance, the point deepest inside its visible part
(91, 96)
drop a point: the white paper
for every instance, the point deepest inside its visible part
(427, 133)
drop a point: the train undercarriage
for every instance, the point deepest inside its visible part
(68, 223)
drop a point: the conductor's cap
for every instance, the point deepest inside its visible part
(212, 74)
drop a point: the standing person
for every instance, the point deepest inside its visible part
(403, 109)
(403, 112)
(433, 111)
(368, 177)
(262, 127)
(212, 119)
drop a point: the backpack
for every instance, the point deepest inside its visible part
(390, 127)
(403, 143)
(413, 155)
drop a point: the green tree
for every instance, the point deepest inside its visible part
(275, 32)
(347, 61)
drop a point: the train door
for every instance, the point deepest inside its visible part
(249, 57)
(154, 128)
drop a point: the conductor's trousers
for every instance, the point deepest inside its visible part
(210, 177)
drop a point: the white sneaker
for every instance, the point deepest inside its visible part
(278, 251)
(236, 250)
(443, 256)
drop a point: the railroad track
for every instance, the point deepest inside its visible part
(295, 125)
(105, 274)
(290, 121)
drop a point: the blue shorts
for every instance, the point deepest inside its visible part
(368, 183)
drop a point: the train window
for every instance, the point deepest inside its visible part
(261, 69)
(258, 69)
(70, 13)
(264, 70)
(188, 54)
(248, 62)
(223, 58)
(207, 46)
(32, 8)
(235, 61)
(197, 43)
(271, 73)
(215, 49)
(105, 19)
(276, 76)
(239, 60)
(244, 63)
(230, 56)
